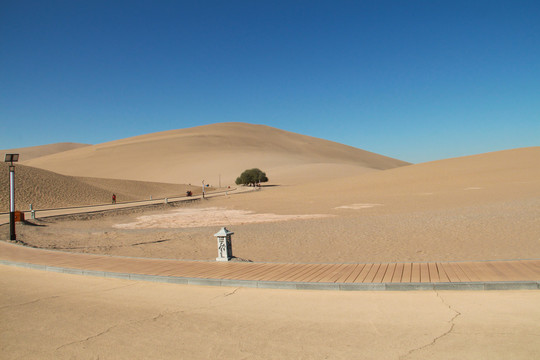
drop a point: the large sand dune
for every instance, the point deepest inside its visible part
(333, 203)
(216, 153)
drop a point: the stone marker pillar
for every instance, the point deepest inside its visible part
(224, 244)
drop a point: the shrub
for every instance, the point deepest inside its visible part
(251, 177)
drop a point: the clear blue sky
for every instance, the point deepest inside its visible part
(415, 80)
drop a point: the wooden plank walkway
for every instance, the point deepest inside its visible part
(377, 273)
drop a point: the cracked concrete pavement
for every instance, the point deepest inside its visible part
(49, 315)
(437, 338)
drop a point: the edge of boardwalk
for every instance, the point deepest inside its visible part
(481, 285)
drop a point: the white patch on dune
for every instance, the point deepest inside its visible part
(358, 206)
(473, 188)
(186, 218)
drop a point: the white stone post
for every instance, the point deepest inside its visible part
(224, 244)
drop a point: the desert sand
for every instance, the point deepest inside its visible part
(58, 316)
(325, 203)
(482, 207)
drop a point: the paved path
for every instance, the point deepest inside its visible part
(516, 274)
(43, 213)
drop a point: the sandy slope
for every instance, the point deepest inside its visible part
(472, 208)
(214, 152)
(32, 152)
(58, 316)
(472, 180)
(45, 189)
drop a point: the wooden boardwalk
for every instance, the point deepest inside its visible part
(375, 273)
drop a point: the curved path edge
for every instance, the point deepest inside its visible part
(489, 275)
(487, 285)
(96, 208)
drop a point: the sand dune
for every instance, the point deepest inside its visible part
(215, 153)
(180, 156)
(333, 203)
(32, 152)
(45, 189)
(478, 207)
(499, 176)
(471, 208)
(509, 175)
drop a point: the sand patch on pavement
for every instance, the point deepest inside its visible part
(212, 216)
(358, 206)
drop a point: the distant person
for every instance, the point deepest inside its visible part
(113, 198)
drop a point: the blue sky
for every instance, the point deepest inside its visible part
(414, 80)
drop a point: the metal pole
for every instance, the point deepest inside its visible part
(12, 234)
(203, 189)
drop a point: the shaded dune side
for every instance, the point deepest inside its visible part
(210, 152)
(45, 189)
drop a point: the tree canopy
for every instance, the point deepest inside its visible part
(251, 177)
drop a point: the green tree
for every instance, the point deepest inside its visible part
(251, 177)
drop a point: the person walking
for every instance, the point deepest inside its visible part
(114, 198)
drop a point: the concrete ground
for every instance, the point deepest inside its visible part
(49, 315)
